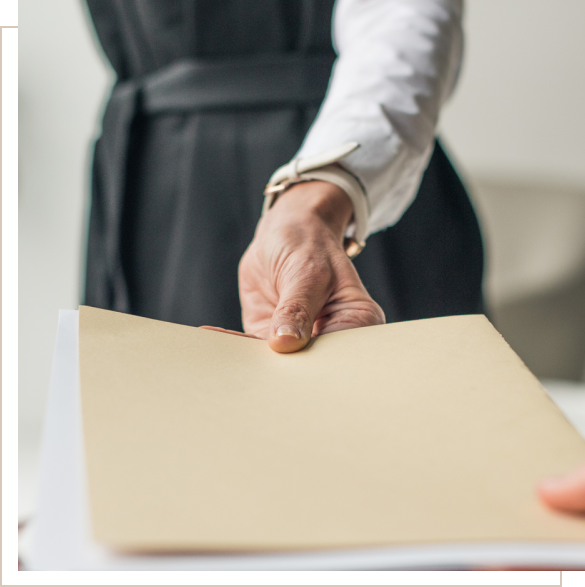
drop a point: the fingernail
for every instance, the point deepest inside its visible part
(287, 330)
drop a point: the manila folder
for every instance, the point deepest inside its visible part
(430, 431)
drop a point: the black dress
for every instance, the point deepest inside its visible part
(212, 96)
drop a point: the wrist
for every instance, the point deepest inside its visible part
(319, 200)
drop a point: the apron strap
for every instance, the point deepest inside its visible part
(258, 81)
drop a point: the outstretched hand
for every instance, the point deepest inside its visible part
(295, 278)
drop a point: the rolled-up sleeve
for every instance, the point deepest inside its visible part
(398, 61)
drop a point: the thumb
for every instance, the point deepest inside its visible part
(292, 321)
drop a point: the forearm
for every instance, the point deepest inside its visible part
(398, 62)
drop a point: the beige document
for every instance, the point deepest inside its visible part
(431, 431)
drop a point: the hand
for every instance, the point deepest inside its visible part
(295, 279)
(565, 493)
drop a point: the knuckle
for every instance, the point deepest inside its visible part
(373, 314)
(317, 268)
(305, 275)
(295, 311)
(377, 315)
(316, 272)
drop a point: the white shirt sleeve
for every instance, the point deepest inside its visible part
(398, 61)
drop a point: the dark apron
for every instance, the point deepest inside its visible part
(211, 98)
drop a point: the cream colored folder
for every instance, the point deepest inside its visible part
(431, 431)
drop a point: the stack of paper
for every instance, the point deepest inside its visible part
(415, 444)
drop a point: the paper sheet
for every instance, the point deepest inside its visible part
(412, 433)
(59, 538)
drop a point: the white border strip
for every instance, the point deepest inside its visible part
(9, 299)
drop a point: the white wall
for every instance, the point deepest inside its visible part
(62, 85)
(518, 112)
(515, 124)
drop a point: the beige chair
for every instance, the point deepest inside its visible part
(535, 241)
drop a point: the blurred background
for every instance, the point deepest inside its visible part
(515, 127)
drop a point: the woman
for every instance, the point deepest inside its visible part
(211, 98)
